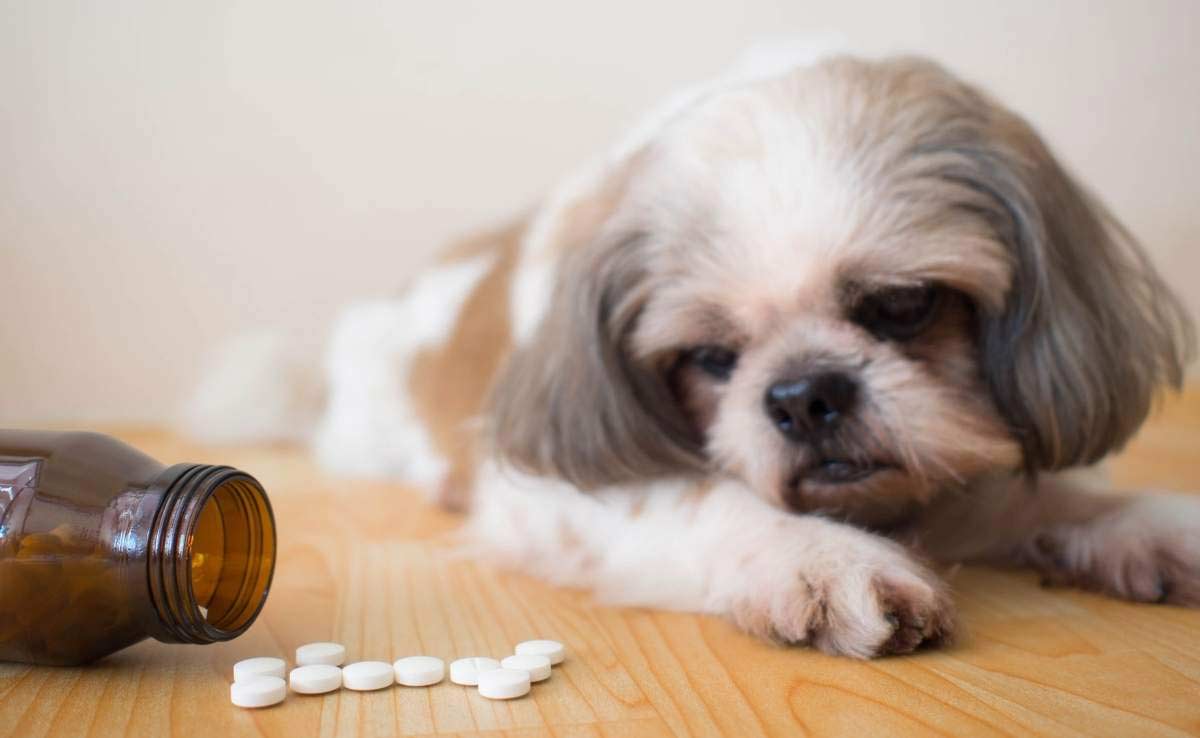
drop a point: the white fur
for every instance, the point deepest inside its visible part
(369, 427)
(721, 550)
(529, 294)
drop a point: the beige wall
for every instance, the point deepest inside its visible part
(172, 173)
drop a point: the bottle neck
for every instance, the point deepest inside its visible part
(210, 555)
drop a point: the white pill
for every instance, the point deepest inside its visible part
(537, 666)
(315, 679)
(332, 654)
(261, 666)
(504, 684)
(466, 671)
(419, 671)
(552, 650)
(364, 676)
(257, 691)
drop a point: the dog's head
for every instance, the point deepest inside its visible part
(852, 286)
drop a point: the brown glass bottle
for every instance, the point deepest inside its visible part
(101, 547)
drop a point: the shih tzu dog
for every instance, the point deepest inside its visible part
(798, 338)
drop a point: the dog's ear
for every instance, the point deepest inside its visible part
(1089, 331)
(572, 400)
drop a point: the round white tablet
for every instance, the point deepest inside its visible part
(364, 676)
(261, 666)
(257, 691)
(537, 666)
(552, 650)
(503, 684)
(315, 679)
(333, 654)
(466, 671)
(419, 671)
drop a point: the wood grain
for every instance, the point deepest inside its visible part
(370, 565)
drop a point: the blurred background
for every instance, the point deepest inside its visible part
(175, 173)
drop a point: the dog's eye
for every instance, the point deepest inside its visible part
(899, 313)
(716, 361)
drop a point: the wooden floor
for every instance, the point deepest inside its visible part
(367, 565)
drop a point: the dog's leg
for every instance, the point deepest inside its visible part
(717, 549)
(1143, 547)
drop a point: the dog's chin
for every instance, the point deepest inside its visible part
(857, 489)
(836, 472)
(836, 465)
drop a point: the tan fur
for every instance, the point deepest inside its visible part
(449, 383)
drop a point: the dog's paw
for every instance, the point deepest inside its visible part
(865, 598)
(1146, 551)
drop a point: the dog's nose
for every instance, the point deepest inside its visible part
(801, 408)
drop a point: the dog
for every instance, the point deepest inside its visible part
(795, 341)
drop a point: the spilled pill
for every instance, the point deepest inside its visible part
(315, 679)
(504, 684)
(264, 680)
(260, 666)
(419, 671)
(332, 654)
(466, 671)
(364, 676)
(537, 666)
(257, 691)
(552, 650)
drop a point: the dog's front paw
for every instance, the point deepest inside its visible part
(863, 597)
(1146, 551)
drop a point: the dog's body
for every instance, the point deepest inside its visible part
(793, 339)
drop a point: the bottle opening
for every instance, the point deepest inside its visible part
(211, 553)
(232, 553)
